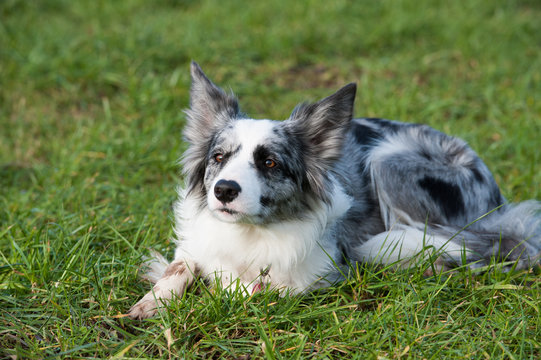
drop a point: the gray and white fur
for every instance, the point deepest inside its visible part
(284, 204)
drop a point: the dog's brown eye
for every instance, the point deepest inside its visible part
(219, 157)
(270, 163)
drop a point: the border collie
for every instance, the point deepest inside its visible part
(287, 204)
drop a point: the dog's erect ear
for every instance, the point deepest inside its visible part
(210, 110)
(210, 107)
(323, 126)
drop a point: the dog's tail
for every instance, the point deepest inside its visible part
(154, 267)
(511, 234)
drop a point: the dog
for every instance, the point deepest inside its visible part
(289, 204)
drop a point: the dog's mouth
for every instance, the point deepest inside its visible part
(228, 211)
(228, 215)
(232, 216)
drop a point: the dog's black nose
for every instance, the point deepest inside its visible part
(226, 190)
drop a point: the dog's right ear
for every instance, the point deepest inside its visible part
(322, 127)
(210, 107)
(210, 110)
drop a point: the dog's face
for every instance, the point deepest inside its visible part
(253, 171)
(261, 171)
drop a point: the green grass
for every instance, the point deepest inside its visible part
(91, 94)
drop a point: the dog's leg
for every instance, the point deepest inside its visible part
(403, 243)
(177, 277)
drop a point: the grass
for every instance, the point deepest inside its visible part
(91, 94)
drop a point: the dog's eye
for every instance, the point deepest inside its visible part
(270, 163)
(219, 157)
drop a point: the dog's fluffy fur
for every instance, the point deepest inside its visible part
(286, 203)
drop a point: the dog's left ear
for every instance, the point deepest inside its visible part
(323, 126)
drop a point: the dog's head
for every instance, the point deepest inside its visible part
(260, 171)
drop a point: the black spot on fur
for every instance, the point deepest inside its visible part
(365, 135)
(262, 153)
(265, 201)
(447, 195)
(496, 198)
(426, 154)
(477, 175)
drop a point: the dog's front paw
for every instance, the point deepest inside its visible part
(175, 279)
(144, 308)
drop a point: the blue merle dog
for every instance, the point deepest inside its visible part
(284, 204)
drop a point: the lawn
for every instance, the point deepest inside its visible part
(91, 99)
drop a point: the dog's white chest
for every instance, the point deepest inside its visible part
(289, 254)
